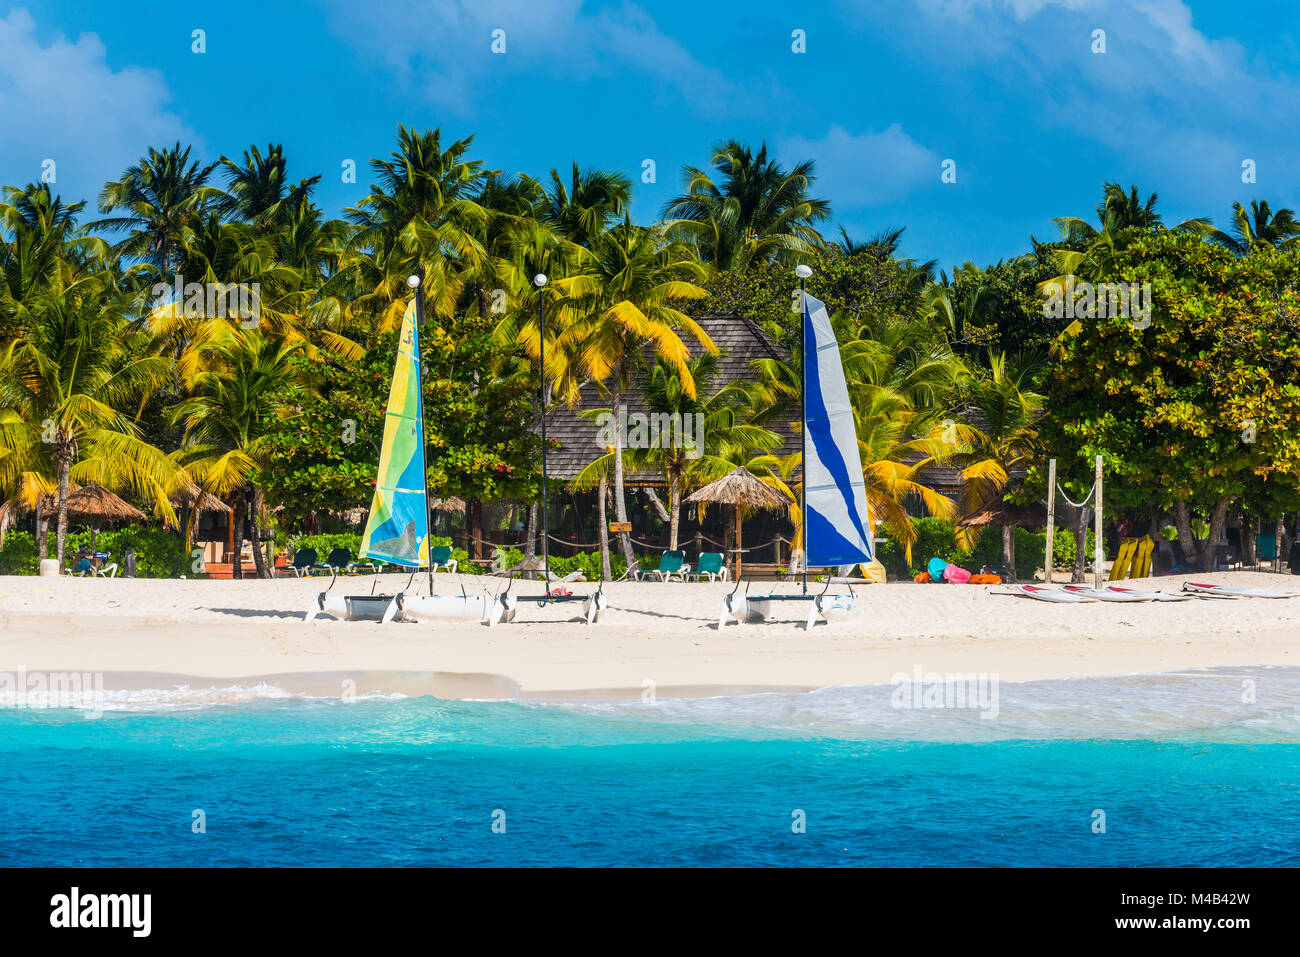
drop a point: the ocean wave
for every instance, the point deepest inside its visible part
(1239, 704)
(181, 697)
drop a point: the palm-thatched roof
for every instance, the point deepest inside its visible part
(740, 487)
(451, 503)
(1004, 513)
(206, 501)
(92, 504)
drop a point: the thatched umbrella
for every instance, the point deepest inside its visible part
(450, 504)
(92, 505)
(740, 489)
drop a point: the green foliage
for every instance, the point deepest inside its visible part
(327, 457)
(158, 552)
(936, 538)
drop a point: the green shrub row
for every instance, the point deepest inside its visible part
(936, 538)
(587, 562)
(158, 551)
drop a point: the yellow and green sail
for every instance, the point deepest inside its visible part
(398, 528)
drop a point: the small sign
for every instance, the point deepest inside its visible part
(620, 527)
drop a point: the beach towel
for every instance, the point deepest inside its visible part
(937, 567)
(958, 576)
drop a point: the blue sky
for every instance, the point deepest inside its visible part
(1010, 90)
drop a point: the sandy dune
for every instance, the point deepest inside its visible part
(661, 633)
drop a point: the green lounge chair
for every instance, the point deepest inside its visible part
(304, 559)
(710, 564)
(440, 557)
(670, 564)
(1266, 550)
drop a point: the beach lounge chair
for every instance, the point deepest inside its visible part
(338, 559)
(670, 564)
(709, 564)
(303, 561)
(440, 557)
(1266, 551)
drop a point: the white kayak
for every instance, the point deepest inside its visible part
(1233, 591)
(1148, 595)
(1049, 594)
(1105, 595)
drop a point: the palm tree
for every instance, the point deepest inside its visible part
(998, 435)
(66, 385)
(42, 249)
(160, 197)
(749, 210)
(583, 209)
(1261, 226)
(420, 217)
(635, 282)
(257, 190)
(244, 387)
(1122, 217)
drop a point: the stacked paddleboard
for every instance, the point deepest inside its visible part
(1073, 594)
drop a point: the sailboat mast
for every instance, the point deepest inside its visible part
(803, 272)
(417, 282)
(540, 282)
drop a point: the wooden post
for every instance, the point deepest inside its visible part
(1098, 547)
(737, 543)
(1051, 520)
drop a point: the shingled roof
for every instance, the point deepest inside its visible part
(739, 341)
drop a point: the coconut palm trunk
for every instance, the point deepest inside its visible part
(240, 508)
(530, 532)
(620, 500)
(674, 508)
(602, 506)
(42, 530)
(255, 530)
(63, 462)
(1079, 576)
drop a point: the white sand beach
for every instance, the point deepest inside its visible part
(156, 633)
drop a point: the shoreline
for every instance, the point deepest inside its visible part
(664, 634)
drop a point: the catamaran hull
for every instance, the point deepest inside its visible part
(505, 607)
(760, 608)
(383, 608)
(442, 607)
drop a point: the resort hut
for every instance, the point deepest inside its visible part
(740, 489)
(93, 505)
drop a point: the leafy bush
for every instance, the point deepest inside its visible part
(936, 538)
(158, 551)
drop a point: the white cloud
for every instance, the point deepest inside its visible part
(444, 50)
(61, 101)
(864, 169)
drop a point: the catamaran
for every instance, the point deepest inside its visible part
(397, 529)
(507, 604)
(836, 521)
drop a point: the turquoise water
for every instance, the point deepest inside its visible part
(1185, 771)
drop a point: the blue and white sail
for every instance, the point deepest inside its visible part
(837, 525)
